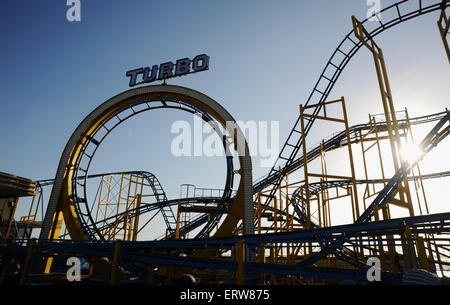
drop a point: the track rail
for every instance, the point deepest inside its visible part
(69, 192)
(340, 139)
(433, 138)
(328, 78)
(317, 187)
(138, 252)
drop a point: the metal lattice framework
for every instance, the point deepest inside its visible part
(288, 160)
(236, 254)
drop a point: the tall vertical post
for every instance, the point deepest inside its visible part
(136, 218)
(26, 265)
(11, 217)
(240, 257)
(177, 228)
(262, 260)
(423, 259)
(350, 155)
(444, 26)
(259, 213)
(409, 256)
(389, 111)
(305, 168)
(54, 234)
(115, 263)
(420, 180)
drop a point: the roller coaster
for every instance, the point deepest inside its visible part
(269, 231)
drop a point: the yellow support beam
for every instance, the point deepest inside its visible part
(136, 218)
(305, 168)
(409, 256)
(325, 176)
(388, 107)
(11, 217)
(444, 26)
(54, 234)
(115, 263)
(423, 259)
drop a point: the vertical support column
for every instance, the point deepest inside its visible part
(32, 215)
(116, 230)
(248, 221)
(11, 216)
(409, 256)
(177, 228)
(350, 155)
(389, 110)
(305, 169)
(280, 194)
(259, 213)
(100, 199)
(125, 226)
(240, 257)
(324, 200)
(136, 218)
(27, 262)
(115, 263)
(444, 26)
(273, 279)
(363, 150)
(262, 260)
(54, 234)
(423, 259)
(275, 220)
(421, 186)
(288, 217)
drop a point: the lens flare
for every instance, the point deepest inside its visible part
(411, 152)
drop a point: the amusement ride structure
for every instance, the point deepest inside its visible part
(277, 230)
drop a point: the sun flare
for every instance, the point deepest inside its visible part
(411, 152)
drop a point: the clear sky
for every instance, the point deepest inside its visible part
(266, 55)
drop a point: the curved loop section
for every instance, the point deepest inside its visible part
(68, 194)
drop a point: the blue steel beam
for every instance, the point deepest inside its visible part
(434, 223)
(95, 250)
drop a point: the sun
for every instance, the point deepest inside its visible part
(411, 152)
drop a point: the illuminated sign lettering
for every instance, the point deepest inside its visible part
(168, 70)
